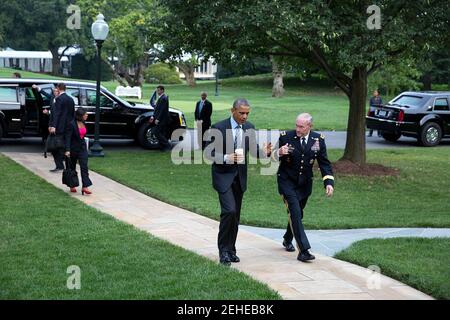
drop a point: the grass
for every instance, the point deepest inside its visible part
(418, 197)
(420, 263)
(44, 231)
(329, 106)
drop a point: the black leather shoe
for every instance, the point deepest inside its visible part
(225, 259)
(234, 258)
(56, 170)
(305, 256)
(289, 246)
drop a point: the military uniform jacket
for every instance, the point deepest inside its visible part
(161, 112)
(295, 172)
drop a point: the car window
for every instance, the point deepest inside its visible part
(441, 104)
(29, 94)
(46, 99)
(74, 94)
(410, 101)
(8, 94)
(91, 97)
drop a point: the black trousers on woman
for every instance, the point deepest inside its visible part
(82, 159)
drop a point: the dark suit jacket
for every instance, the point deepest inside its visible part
(63, 113)
(223, 174)
(73, 142)
(205, 115)
(295, 173)
(162, 110)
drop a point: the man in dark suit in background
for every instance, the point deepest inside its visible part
(63, 113)
(232, 139)
(203, 111)
(161, 118)
(299, 149)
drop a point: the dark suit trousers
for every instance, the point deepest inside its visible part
(295, 227)
(160, 133)
(58, 157)
(82, 159)
(230, 204)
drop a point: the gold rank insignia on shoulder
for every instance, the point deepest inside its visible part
(322, 136)
(282, 133)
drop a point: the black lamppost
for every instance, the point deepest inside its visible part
(99, 31)
(217, 80)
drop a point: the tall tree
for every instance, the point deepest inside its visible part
(133, 33)
(337, 36)
(38, 25)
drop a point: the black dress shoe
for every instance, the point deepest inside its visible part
(56, 170)
(289, 246)
(234, 258)
(225, 259)
(305, 256)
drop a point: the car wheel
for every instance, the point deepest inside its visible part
(146, 138)
(391, 136)
(430, 134)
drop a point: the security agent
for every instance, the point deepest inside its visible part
(300, 148)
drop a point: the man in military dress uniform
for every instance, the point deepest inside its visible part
(299, 149)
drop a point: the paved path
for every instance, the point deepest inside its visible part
(329, 242)
(334, 139)
(261, 258)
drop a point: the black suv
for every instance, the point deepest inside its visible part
(21, 113)
(423, 115)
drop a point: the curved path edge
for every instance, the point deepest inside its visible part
(261, 258)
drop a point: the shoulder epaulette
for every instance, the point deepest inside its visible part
(322, 137)
(282, 133)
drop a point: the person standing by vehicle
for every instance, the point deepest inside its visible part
(161, 118)
(62, 114)
(203, 111)
(76, 149)
(298, 151)
(375, 101)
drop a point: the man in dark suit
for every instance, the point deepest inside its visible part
(299, 150)
(203, 111)
(47, 118)
(161, 118)
(232, 139)
(63, 113)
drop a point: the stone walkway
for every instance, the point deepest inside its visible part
(261, 258)
(329, 242)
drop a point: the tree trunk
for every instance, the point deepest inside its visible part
(278, 85)
(56, 62)
(355, 146)
(426, 81)
(188, 71)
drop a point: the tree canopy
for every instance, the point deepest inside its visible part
(334, 35)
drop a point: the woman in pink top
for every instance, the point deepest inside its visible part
(76, 148)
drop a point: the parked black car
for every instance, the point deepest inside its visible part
(21, 113)
(423, 115)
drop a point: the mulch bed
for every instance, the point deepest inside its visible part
(348, 168)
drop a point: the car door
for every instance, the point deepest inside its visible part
(442, 108)
(111, 121)
(11, 108)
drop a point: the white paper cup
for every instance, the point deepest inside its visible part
(240, 152)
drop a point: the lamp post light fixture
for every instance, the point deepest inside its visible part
(100, 30)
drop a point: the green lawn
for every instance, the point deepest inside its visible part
(327, 105)
(44, 231)
(417, 198)
(420, 263)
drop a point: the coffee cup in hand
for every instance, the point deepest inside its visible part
(240, 154)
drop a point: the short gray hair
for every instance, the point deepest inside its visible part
(305, 116)
(240, 102)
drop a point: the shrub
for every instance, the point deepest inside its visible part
(162, 73)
